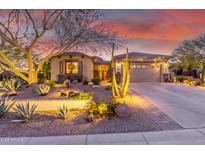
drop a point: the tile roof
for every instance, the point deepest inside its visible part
(140, 54)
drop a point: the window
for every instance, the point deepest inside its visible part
(71, 67)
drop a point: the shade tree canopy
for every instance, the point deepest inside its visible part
(191, 54)
(29, 38)
(187, 56)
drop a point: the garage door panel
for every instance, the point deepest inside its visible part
(149, 74)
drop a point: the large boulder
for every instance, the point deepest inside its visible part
(123, 111)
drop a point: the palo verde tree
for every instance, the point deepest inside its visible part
(32, 37)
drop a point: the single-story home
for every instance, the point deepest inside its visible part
(79, 66)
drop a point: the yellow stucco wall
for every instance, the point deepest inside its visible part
(86, 62)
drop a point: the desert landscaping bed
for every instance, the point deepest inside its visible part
(144, 116)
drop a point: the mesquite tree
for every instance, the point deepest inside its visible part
(191, 54)
(186, 55)
(29, 38)
(199, 43)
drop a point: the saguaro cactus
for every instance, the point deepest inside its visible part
(126, 76)
(117, 90)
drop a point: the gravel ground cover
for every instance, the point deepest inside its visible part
(144, 117)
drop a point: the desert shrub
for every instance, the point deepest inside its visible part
(11, 84)
(63, 112)
(92, 109)
(51, 83)
(43, 89)
(80, 95)
(196, 83)
(85, 82)
(174, 79)
(85, 96)
(96, 80)
(111, 108)
(41, 78)
(102, 109)
(109, 87)
(186, 81)
(5, 105)
(26, 112)
(75, 82)
(71, 94)
(181, 78)
(67, 83)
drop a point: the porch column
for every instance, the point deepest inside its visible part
(161, 72)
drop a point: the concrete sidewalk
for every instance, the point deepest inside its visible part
(173, 137)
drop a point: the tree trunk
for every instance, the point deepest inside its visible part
(33, 82)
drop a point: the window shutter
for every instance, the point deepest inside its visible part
(80, 67)
(61, 67)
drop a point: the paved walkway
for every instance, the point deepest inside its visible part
(185, 104)
(186, 136)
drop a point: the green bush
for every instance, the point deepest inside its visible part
(96, 80)
(102, 109)
(5, 105)
(26, 112)
(181, 78)
(85, 82)
(11, 84)
(51, 83)
(41, 78)
(111, 108)
(43, 89)
(109, 87)
(80, 95)
(92, 108)
(63, 112)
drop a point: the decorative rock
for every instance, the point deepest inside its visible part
(67, 83)
(17, 121)
(122, 111)
(90, 117)
(64, 93)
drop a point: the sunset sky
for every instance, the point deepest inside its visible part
(155, 31)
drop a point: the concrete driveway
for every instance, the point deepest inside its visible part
(185, 104)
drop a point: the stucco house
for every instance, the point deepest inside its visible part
(79, 66)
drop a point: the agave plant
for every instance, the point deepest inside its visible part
(5, 105)
(11, 84)
(43, 89)
(26, 112)
(63, 112)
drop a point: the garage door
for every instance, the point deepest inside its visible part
(144, 73)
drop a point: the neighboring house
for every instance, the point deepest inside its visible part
(79, 66)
